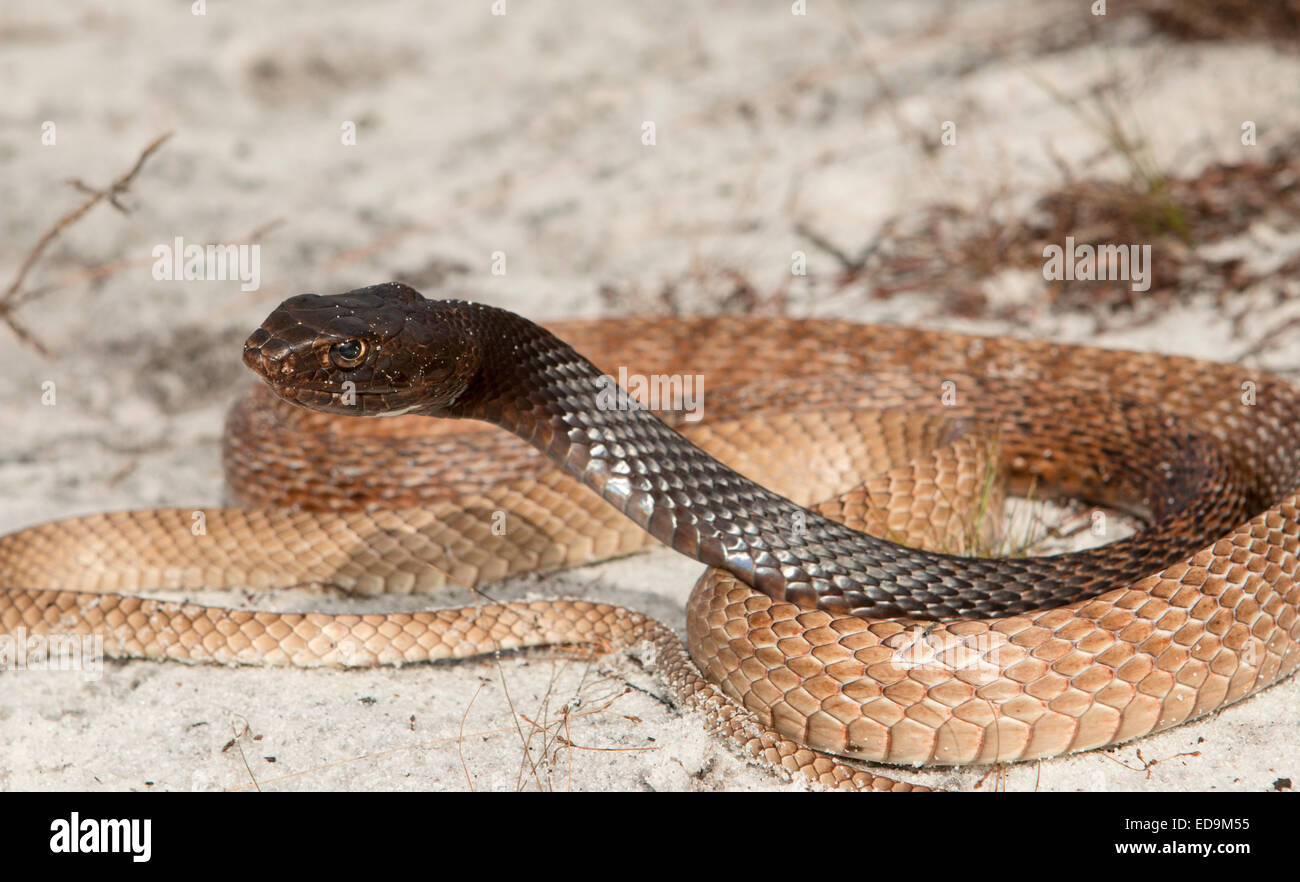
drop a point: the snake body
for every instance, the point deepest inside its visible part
(813, 636)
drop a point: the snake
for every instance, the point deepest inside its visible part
(843, 620)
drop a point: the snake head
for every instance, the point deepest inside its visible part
(378, 351)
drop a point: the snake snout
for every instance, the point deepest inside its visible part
(262, 355)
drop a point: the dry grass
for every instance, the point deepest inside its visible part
(950, 249)
(1271, 21)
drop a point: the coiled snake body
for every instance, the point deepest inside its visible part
(831, 640)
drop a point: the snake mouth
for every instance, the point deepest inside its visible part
(360, 391)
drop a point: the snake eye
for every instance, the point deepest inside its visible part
(348, 354)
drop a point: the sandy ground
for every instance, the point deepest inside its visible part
(522, 134)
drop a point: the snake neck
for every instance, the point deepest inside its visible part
(538, 387)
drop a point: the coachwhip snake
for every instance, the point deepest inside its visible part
(814, 638)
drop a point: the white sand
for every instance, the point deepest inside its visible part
(522, 134)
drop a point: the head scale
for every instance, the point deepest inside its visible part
(378, 351)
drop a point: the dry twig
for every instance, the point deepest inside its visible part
(14, 296)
